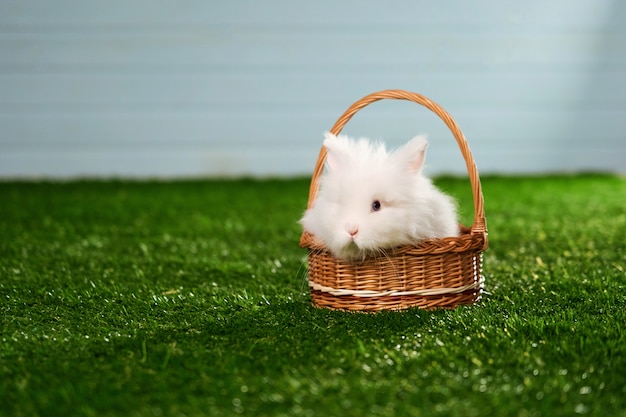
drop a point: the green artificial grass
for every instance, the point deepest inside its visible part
(189, 299)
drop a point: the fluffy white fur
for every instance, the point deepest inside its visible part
(345, 217)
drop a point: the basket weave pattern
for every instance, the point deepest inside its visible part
(431, 273)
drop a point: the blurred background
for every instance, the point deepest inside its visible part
(205, 88)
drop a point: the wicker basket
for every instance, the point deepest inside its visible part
(430, 274)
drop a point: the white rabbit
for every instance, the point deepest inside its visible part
(371, 200)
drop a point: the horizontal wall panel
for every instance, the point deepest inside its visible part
(193, 88)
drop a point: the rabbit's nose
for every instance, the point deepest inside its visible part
(352, 230)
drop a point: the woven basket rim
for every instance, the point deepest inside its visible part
(479, 225)
(465, 241)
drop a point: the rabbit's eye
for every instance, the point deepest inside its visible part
(375, 205)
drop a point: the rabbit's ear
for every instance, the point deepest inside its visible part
(413, 154)
(335, 151)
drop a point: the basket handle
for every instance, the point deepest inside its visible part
(480, 225)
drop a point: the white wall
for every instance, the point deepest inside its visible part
(187, 88)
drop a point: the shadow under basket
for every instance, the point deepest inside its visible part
(434, 273)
